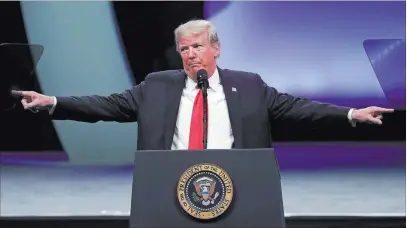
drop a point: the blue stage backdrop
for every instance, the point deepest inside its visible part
(83, 56)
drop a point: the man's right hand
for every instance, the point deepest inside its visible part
(34, 101)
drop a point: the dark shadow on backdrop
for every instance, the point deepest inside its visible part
(21, 130)
(147, 30)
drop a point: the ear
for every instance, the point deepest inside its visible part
(216, 49)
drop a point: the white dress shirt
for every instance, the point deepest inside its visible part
(219, 128)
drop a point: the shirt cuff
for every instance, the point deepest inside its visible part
(51, 110)
(351, 121)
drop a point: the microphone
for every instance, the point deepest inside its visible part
(202, 78)
(203, 84)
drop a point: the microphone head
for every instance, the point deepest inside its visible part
(202, 78)
(202, 74)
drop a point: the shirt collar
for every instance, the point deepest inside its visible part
(214, 82)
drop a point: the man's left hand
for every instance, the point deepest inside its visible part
(372, 115)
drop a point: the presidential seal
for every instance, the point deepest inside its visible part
(205, 191)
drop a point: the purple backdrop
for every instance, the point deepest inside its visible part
(315, 49)
(315, 155)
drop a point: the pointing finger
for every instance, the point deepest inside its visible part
(19, 93)
(379, 109)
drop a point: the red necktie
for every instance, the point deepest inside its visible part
(196, 129)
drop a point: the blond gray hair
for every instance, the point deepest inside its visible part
(194, 27)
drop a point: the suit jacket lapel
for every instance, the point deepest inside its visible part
(173, 97)
(231, 90)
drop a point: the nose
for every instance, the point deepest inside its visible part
(191, 53)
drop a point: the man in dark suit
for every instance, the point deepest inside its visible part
(168, 105)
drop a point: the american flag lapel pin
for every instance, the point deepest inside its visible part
(234, 89)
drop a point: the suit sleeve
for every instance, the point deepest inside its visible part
(117, 107)
(283, 106)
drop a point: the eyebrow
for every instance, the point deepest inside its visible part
(194, 44)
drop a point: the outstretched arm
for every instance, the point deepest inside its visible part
(283, 106)
(118, 107)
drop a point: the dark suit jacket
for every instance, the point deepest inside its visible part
(154, 105)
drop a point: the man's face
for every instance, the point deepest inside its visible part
(197, 53)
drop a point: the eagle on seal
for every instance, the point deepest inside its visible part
(205, 187)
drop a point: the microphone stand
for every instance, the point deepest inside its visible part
(203, 84)
(205, 113)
